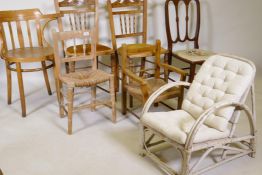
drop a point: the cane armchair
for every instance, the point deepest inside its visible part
(81, 78)
(194, 56)
(142, 87)
(18, 31)
(209, 118)
(83, 15)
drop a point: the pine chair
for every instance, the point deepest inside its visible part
(194, 56)
(83, 15)
(209, 116)
(143, 87)
(18, 31)
(81, 78)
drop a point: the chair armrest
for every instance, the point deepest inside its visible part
(158, 92)
(135, 77)
(173, 69)
(204, 116)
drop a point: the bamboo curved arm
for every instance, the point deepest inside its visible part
(200, 121)
(162, 89)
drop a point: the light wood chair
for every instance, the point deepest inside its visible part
(18, 30)
(194, 56)
(209, 118)
(143, 87)
(81, 78)
(83, 15)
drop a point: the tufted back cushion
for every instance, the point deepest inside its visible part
(221, 78)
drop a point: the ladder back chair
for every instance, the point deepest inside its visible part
(209, 118)
(193, 56)
(142, 87)
(83, 15)
(90, 77)
(23, 41)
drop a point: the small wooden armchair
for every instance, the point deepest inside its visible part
(209, 118)
(18, 29)
(142, 87)
(82, 78)
(83, 15)
(194, 56)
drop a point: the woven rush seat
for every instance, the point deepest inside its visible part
(153, 84)
(100, 49)
(85, 78)
(193, 55)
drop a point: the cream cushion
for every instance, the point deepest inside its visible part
(219, 79)
(177, 124)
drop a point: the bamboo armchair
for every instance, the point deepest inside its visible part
(209, 116)
(16, 33)
(83, 15)
(82, 78)
(194, 56)
(143, 87)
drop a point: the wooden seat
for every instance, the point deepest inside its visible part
(81, 15)
(18, 47)
(141, 46)
(195, 56)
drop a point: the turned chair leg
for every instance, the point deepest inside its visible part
(70, 98)
(9, 83)
(46, 78)
(21, 88)
(93, 97)
(112, 94)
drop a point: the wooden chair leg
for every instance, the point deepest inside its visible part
(113, 102)
(93, 96)
(131, 101)
(9, 83)
(124, 99)
(60, 97)
(70, 98)
(21, 88)
(179, 102)
(114, 70)
(46, 78)
(143, 64)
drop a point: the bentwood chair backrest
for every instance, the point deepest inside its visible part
(182, 23)
(128, 19)
(86, 37)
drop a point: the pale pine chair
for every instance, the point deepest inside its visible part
(82, 78)
(209, 116)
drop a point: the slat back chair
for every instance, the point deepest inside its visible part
(191, 32)
(143, 87)
(89, 77)
(83, 15)
(22, 33)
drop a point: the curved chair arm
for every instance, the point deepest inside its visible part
(162, 89)
(174, 69)
(200, 121)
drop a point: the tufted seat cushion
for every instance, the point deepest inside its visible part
(177, 124)
(220, 79)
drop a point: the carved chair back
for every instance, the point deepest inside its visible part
(130, 17)
(189, 20)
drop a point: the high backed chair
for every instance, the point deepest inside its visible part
(143, 87)
(208, 120)
(18, 30)
(81, 78)
(83, 15)
(128, 19)
(193, 56)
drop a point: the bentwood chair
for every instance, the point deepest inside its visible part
(18, 31)
(83, 15)
(142, 87)
(208, 122)
(80, 78)
(194, 56)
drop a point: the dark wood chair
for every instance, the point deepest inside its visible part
(19, 48)
(79, 15)
(193, 56)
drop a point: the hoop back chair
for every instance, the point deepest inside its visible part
(83, 15)
(82, 78)
(22, 40)
(209, 117)
(191, 56)
(143, 87)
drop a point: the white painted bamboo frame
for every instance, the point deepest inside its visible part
(186, 150)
